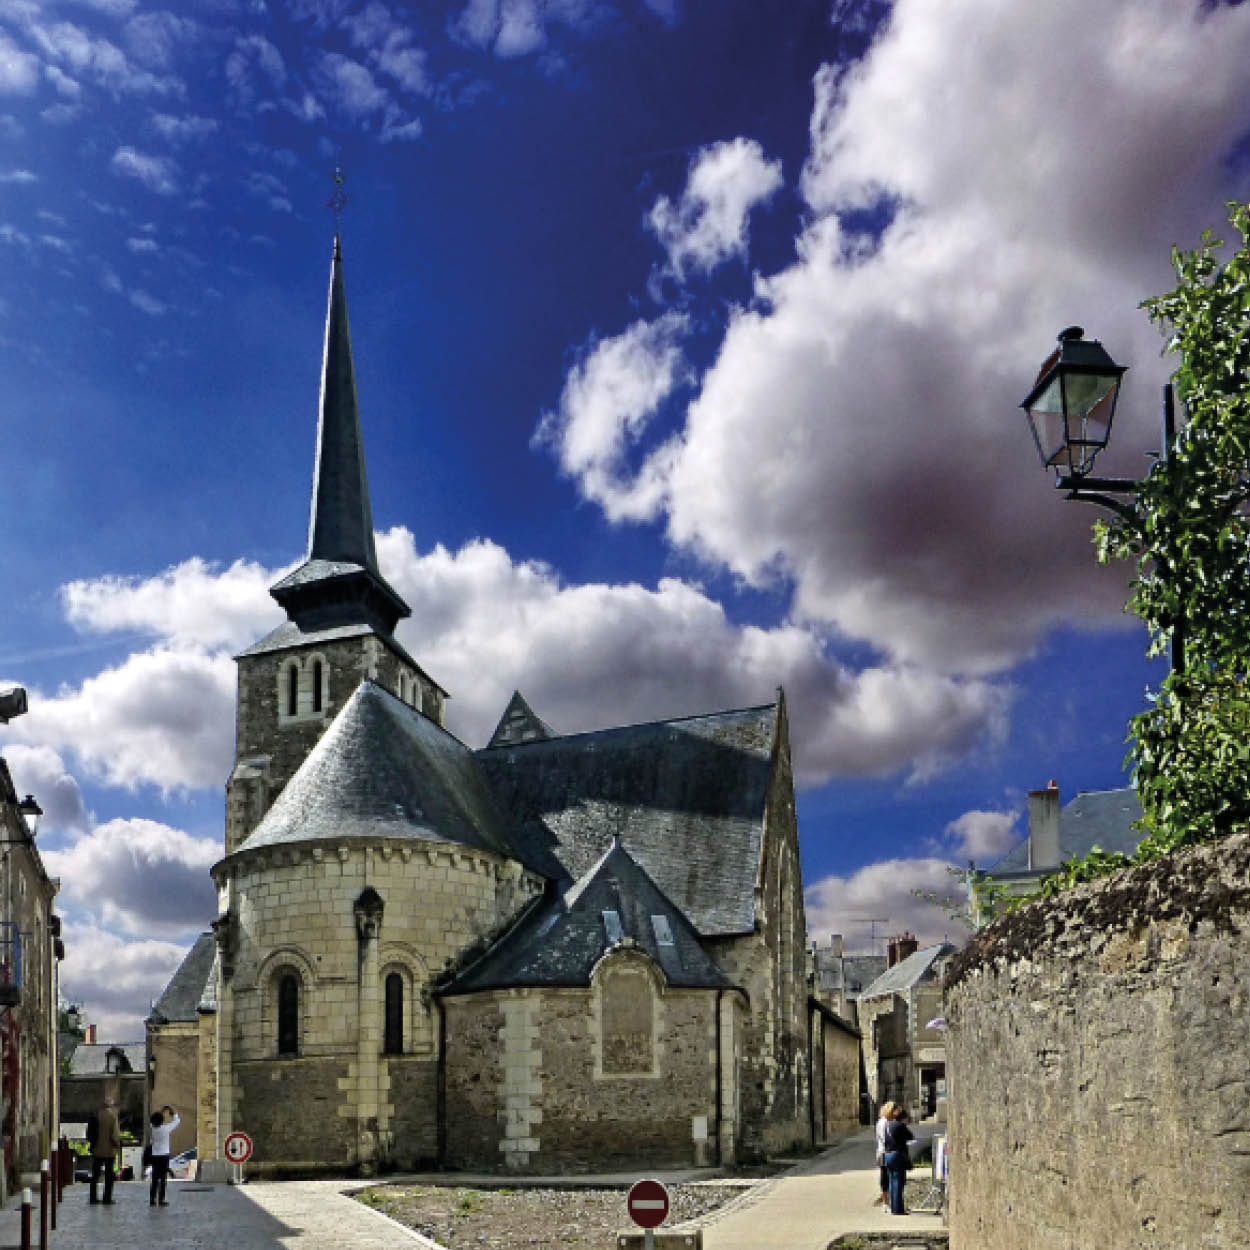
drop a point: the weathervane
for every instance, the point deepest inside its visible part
(338, 201)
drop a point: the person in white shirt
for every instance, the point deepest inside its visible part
(161, 1130)
(886, 1115)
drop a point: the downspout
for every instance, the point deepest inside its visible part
(811, 1076)
(720, 1148)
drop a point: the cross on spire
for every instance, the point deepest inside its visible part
(337, 202)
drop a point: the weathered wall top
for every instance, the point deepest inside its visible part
(1202, 883)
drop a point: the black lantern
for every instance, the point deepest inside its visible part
(1072, 403)
(31, 810)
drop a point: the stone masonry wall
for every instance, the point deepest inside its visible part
(175, 1069)
(1098, 1054)
(524, 1091)
(291, 910)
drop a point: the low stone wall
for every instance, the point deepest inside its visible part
(1099, 1058)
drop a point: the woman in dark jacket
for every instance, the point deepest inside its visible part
(897, 1160)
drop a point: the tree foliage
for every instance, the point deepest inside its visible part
(1188, 532)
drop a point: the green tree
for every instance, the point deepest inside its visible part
(1188, 530)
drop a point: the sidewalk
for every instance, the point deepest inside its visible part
(807, 1207)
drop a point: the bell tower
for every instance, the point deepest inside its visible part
(341, 612)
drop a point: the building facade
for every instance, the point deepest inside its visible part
(569, 951)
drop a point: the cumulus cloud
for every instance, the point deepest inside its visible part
(877, 376)
(349, 85)
(98, 59)
(116, 980)
(140, 877)
(40, 771)
(163, 717)
(982, 837)
(609, 399)
(19, 176)
(885, 890)
(489, 624)
(513, 28)
(254, 64)
(390, 46)
(157, 173)
(708, 225)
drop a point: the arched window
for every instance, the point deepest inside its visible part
(394, 1039)
(292, 690)
(316, 690)
(288, 1014)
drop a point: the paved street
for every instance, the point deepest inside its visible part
(296, 1215)
(805, 1209)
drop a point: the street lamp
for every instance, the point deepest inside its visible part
(31, 811)
(1070, 410)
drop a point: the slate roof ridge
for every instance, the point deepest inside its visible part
(520, 712)
(653, 724)
(907, 972)
(180, 998)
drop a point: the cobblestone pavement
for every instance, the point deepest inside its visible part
(295, 1215)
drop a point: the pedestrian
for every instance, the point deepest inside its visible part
(887, 1114)
(897, 1158)
(162, 1128)
(108, 1141)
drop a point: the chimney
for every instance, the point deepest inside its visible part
(898, 948)
(835, 945)
(1044, 827)
(88, 1035)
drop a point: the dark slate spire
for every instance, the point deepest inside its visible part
(339, 582)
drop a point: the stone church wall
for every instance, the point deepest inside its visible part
(292, 1112)
(1098, 1047)
(543, 1104)
(412, 1099)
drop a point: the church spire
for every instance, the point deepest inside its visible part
(339, 582)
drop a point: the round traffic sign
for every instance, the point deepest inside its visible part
(647, 1203)
(238, 1147)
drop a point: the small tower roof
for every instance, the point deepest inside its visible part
(339, 582)
(520, 723)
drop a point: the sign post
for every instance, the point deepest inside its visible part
(238, 1150)
(648, 1207)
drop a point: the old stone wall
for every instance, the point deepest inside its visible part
(175, 1051)
(531, 1087)
(292, 1113)
(837, 1094)
(276, 743)
(291, 913)
(412, 1098)
(1098, 1053)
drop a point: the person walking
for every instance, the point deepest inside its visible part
(161, 1132)
(897, 1158)
(887, 1114)
(108, 1141)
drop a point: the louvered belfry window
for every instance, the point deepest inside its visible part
(288, 1015)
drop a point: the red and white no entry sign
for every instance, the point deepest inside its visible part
(238, 1147)
(647, 1203)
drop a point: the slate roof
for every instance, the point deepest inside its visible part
(848, 973)
(559, 942)
(90, 1058)
(1093, 818)
(833, 1017)
(382, 769)
(915, 969)
(180, 999)
(686, 798)
(519, 723)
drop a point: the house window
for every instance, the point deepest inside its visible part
(394, 1030)
(627, 1023)
(316, 690)
(292, 690)
(288, 1015)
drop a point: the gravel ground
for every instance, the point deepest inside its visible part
(529, 1219)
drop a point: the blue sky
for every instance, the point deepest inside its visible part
(689, 338)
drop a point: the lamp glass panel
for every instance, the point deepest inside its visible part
(1049, 428)
(1086, 391)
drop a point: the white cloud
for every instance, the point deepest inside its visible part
(194, 604)
(270, 189)
(178, 129)
(708, 225)
(488, 625)
(513, 28)
(116, 980)
(163, 717)
(398, 126)
(350, 86)
(885, 890)
(983, 837)
(104, 62)
(143, 245)
(148, 303)
(157, 173)
(252, 63)
(140, 877)
(40, 771)
(63, 83)
(879, 379)
(19, 70)
(609, 399)
(11, 235)
(18, 176)
(390, 46)
(154, 37)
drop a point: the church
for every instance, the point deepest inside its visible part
(554, 953)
